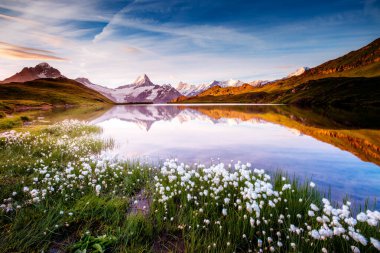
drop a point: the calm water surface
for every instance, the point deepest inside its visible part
(339, 154)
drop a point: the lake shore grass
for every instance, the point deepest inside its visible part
(61, 193)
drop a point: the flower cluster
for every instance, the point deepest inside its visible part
(61, 163)
(249, 208)
(216, 208)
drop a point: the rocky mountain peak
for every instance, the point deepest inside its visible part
(42, 70)
(143, 80)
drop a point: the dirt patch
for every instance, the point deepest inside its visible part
(140, 203)
(166, 243)
(60, 244)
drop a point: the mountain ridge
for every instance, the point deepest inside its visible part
(48, 93)
(364, 62)
(142, 90)
(42, 70)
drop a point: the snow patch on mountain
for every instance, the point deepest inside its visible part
(258, 83)
(298, 72)
(190, 90)
(142, 90)
(42, 70)
(105, 91)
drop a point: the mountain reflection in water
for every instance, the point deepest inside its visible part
(336, 148)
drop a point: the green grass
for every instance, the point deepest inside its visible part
(48, 92)
(76, 216)
(336, 92)
(79, 201)
(351, 80)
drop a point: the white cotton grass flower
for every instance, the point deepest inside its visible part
(355, 249)
(314, 207)
(358, 237)
(212, 192)
(98, 189)
(362, 217)
(375, 243)
(315, 234)
(372, 222)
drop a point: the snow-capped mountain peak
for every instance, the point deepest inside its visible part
(84, 81)
(183, 86)
(299, 71)
(42, 70)
(143, 80)
(226, 83)
(43, 65)
(258, 83)
(140, 91)
(233, 83)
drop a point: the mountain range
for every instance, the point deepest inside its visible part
(350, 80)
(347, 80)
(142, 90)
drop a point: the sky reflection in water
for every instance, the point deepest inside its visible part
(154, 133)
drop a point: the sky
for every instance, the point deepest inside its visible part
(111, 42)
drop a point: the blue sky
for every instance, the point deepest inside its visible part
(112, 42)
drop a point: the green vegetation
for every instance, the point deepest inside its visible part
(10, 122)
(60, 194)
(328, 92)
(348, 81)
(336, 92)
(47, 93)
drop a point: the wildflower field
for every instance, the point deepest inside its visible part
(60, 192)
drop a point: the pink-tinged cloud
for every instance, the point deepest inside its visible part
(11, 51)
(18, 19)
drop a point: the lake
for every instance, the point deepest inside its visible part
(337, 149)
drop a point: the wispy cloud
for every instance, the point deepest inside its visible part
(26, 53)
(17, 19)
(112, 42)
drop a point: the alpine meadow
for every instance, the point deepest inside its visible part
(189, 126)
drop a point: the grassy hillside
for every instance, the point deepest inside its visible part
(350, 80)
(47, 93)
(340, 91)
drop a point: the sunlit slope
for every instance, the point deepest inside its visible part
(50, 92)
(350, 80)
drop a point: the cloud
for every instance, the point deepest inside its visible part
(11, 51)
(84, 10)
(17, 19)
(131, 50)
(200, 34)
(111, 42)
